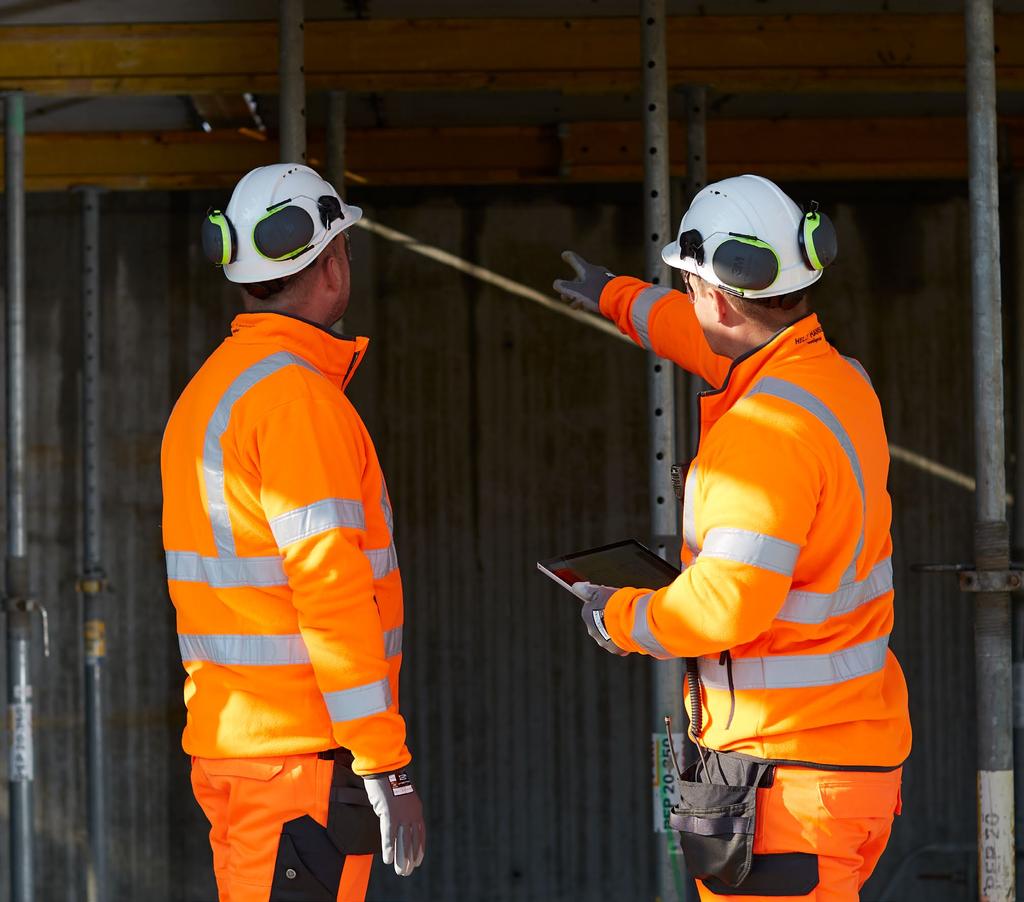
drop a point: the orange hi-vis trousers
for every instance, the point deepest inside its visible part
(268, 830)
(844, 818)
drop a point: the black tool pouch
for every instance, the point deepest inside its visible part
(351, 823)
(716, 816)
(310, 857)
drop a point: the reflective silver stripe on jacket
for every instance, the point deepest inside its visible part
(642, 634)
(789, 391)
(859, 367)
(802, 606)
(393, 642)
(385, 504)
(384, 560)
(690, 510)
(797, 671)
(360, 701)
(213, 453)
(641, 311)
(313, 519)
(752, 548)
(256, 651)
(225, 572)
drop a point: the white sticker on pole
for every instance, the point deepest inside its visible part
(19, 725)
(996, 850)
(664, 781)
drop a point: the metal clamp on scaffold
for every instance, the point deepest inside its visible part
(32, 606)
(973, 580)
(92, 583)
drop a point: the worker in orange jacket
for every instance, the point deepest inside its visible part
(282, 568)
(784, 606)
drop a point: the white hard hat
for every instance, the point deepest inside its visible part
(746, 236)
(278, 221)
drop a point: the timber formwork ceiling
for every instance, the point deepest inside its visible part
(494, 93)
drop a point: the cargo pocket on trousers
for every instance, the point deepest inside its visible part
(351, 821)
(308, 866)
(716, 829)
(786, 874)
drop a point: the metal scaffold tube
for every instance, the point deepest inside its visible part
(996, 854)
(336, 112)
(21, 765)
(92, 585)
(668, 675)
(1017, 533)
(696, 178)
(292, 75)
(696, 139)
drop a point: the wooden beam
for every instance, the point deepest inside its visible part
(810, 149)
(808, 53)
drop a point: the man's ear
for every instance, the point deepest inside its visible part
(724, 313)
(332, 270)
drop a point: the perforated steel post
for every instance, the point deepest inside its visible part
(292, 76)
(21, 765)
(696, 178)
(92, 584)
(996, 853)
(1017, 536)
(668, 675)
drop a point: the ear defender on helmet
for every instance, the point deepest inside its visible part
(818, 241)
(745, 263)
(284, 232)
(220, 245)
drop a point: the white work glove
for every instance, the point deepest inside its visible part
(402, 832)
(584, 292)
(594, 600)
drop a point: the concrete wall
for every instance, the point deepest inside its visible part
(507, 434)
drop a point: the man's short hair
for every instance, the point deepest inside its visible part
(775, 312)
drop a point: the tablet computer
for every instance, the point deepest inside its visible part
(627, 563)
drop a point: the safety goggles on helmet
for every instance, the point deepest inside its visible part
(286, 231)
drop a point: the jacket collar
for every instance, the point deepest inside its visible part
(802, 340)
(336, 356)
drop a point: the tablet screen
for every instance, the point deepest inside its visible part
(625, 563)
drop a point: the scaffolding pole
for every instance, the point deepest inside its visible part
(992, 628)
(668, 675)
(690, 384)
(336, 113)
(696, 178)
(21, 767)
(292, 75)
(92, 584)
(1017, 535)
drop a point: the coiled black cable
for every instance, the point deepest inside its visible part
(696, 713)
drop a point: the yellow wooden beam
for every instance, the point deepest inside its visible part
(809, 53)
(810, 149)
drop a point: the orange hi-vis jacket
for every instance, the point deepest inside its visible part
(786, 596)
(280, 556)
